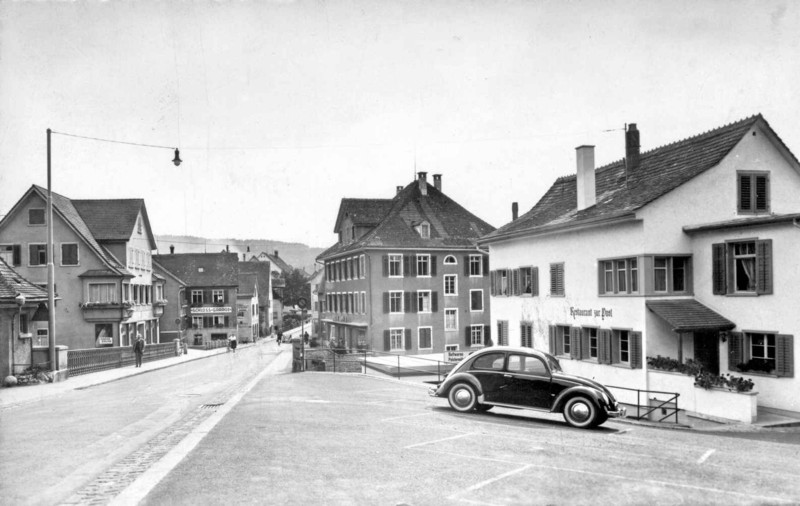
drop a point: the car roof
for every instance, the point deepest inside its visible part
(517, 349)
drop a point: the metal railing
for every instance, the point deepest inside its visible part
(664, 406)
(390, 364)
(101, 359)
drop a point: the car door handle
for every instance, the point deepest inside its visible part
(507, 376)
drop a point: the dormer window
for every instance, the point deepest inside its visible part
(753, 190)
(424, 230)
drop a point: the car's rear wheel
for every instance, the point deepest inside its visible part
(580, 412)
(462, 397)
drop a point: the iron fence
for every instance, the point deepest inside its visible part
(101, 359)
(666, 406)
(363, 361)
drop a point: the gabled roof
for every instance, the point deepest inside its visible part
(363, 212)
(114, 219)
(247, 284)
(202, 269)
(451, 226)
(659, 171)
(12, 284)
(263, 278)
(278, 261)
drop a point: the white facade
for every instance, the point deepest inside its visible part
(681, 223)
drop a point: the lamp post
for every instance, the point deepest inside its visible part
(51, 295)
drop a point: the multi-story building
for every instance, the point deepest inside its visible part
(406, 275)
(247, 307)
(687, 251)
(102, 262)
(210, 284)
(316, 287)
(265, 301)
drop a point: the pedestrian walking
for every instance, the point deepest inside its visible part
(279, 338)
(138, 349)
(232, 343)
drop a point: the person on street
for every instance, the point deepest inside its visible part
(279, 338)
(138, 349)
(305, 337)
(232, 343)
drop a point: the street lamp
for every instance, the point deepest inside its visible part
(51, 296)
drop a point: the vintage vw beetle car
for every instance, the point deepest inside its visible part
(524, 378)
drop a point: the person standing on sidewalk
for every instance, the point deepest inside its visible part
(138, 349)
(232, 342)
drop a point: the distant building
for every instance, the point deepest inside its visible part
(687, 251)
(316, 284)
(210, 282)
(265, 300)
(406, 275)
(247, 308)
(103, 269)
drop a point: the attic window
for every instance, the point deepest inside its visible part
(199, 269)
(450, 260)
(424, 230)
(139, 225)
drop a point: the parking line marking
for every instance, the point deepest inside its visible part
(490, 481)
(440, 440)
(705, 456)
(394, 418)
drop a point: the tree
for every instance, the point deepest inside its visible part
(296, 287)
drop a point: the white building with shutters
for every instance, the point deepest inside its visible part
(684, 254)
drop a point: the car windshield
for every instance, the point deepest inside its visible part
(553, 363)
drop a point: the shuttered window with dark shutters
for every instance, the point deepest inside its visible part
(502, 332)
(764, 266)
(575, 349)
(636, 349)
(719, 270)
(557, 280)
(784, 355)
(753, 194)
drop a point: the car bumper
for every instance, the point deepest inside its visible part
(620, 412)
(432, 391)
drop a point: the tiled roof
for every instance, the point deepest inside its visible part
(278, 261)
(247, 283)
(113, 219)
(363, 212)
(688, 315)
(452, 226)
(12, 284)
(263, 277)
(658, 172)
(202, 269)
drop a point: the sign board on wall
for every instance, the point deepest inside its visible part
(211, 309)
(454, 356)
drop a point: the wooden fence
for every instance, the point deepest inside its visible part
(100, 359)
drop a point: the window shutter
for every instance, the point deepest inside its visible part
(385, 302)
(467, 336)
(407, 340)
(535, 281)
(487, 335)
(466, 265)
(604, 346)
(485, 265)
(493, 282)
(586, 349)
(433, 265)
(735, 350)
(784, 355)
(17, 255)
(744, 192)
(434, 302)
(764, 267)
(601, 278)
(410, 302)
(502, 333)
(406, 266)
(517, 283)
(385, 266)
(387, 343)
(575, 342)
(552, 331)
(719, 275)
(762, 193)
(636, 350)
(614, 348)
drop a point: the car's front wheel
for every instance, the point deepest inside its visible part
(580, 412)
(462, 397)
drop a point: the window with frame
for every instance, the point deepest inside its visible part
(197, 297)
(395, 266)
(761, 352)
(37, 254)
(424, 301)
(623, 345)
(69, 254)
(620, 276)
(451, 319)
(102, 292)
(450, 260)
(425, 230)
(476, 265)
(11, 254)
(557, 280)
(742, 267)
(362, 266)
(425, 340)
(590, 343)
(561, 340)
(36, 216)
(529, 281)
(423, 265)
(526, 334)
(499, 282)
(218, 296)
(396, 339)
(476, 335)
(476, 300)
(450, 284)
(363, 302)
(396, 302)
(197, 322)
(41, 338)
(753, 192)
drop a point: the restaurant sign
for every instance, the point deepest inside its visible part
(211, 309)
(601, 313)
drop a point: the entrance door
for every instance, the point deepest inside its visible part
(706, 350)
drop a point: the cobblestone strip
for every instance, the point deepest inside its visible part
(115, 479)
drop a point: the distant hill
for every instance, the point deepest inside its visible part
(297, 255)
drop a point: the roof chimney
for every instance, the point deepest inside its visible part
(423, 182)
(248, 249)
(399, 189)
(276, 254)
(227, 248)
(437, 181)
(632, 147)
(171, 249)
(587, 196)
(514, 211)
(244, 257)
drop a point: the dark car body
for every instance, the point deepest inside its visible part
(524, 378)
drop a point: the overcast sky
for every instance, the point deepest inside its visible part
(281, 109)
